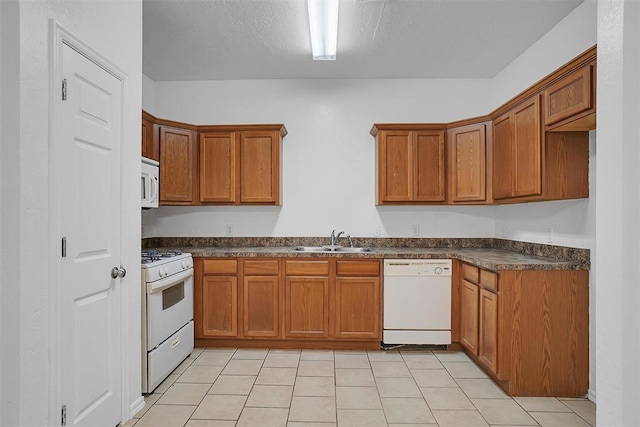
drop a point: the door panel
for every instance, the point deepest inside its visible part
(395, 182)
(468, 164)
(219, 306)
(261, 307)
(307, 307)
(503, 157)
(430, 170)
(469, 316)
(177, 165)
(488, 334)
(357, 308)
(260, 170)
(218, 167)
(88, 167)
(526, 137)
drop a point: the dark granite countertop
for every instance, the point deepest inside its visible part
(501, 255)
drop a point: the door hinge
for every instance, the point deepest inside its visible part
(63, 415)
(64, 247)
(64, 89)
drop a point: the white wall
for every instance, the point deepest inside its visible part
(570, 37)
(148, 95)
(114, 29)
(10, 188)
(328, 155)
(618, 210)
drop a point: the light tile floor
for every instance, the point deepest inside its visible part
(324, 388)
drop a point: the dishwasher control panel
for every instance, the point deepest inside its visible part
(412, 267)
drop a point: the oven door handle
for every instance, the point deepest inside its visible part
(168, 282)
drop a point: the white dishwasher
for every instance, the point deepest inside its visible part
(417, 301)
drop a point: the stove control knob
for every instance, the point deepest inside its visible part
(184, 265)
(166, 271)
(160, 272)
(438, 270)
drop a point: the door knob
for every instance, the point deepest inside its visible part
(118, 272)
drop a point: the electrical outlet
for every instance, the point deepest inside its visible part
(377, 232)
(415, 230)
(504, 231)
(229, 229)
(550, 236)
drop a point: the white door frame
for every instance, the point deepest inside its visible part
(58, 35)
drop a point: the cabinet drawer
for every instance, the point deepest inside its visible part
(470, 273)
(358, 268)
(489, 280)
(306, 268)
(220, 266)
(260, 267)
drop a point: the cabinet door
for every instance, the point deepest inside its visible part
(219, 307)
(488, 330)
(357, 308)
(503, 157)
(261, 306)
(395, 167)
(260, 167)
(218, 167)
(469, 316)
(429, 166)
(307, 307)
(467, 164)
(149, 143)
(177, 166)
(527, 149)
(569, 96)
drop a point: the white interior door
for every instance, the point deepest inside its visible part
(87, 167)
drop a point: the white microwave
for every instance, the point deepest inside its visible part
(150, 183)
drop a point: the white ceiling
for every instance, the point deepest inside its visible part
(269, 39)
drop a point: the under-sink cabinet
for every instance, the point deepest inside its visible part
(529, 329)
(303, 303)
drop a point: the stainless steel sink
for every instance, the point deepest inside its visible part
(350, 249)
(329, 249)
(310, 249)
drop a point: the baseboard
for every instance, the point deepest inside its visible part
(136, 406)
(591, 395)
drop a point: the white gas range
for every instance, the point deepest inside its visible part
(167, 314)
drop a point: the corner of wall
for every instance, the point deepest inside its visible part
(148, 95)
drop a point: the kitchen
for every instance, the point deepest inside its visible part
(323, 215)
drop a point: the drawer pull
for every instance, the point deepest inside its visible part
(175, 343)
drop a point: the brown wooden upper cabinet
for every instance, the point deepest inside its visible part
(149, 140)
(411, 164)
(517, 151)
(239, 165)
(531, 165)
(570, 102)
(229, 164)
(178, 166)
(467, 164)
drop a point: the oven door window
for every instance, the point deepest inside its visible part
(172, 296)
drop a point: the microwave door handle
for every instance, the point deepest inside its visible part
(154, 189)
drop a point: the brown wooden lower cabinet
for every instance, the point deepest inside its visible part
(216, 298)
(306, 307)
(261, 306)
(528, 329)
(469, 316)
(357, 307)
(317, 303)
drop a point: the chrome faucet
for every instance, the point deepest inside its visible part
(334, 238)
(349, 240)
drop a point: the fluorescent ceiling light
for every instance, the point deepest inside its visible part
(323, 22)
